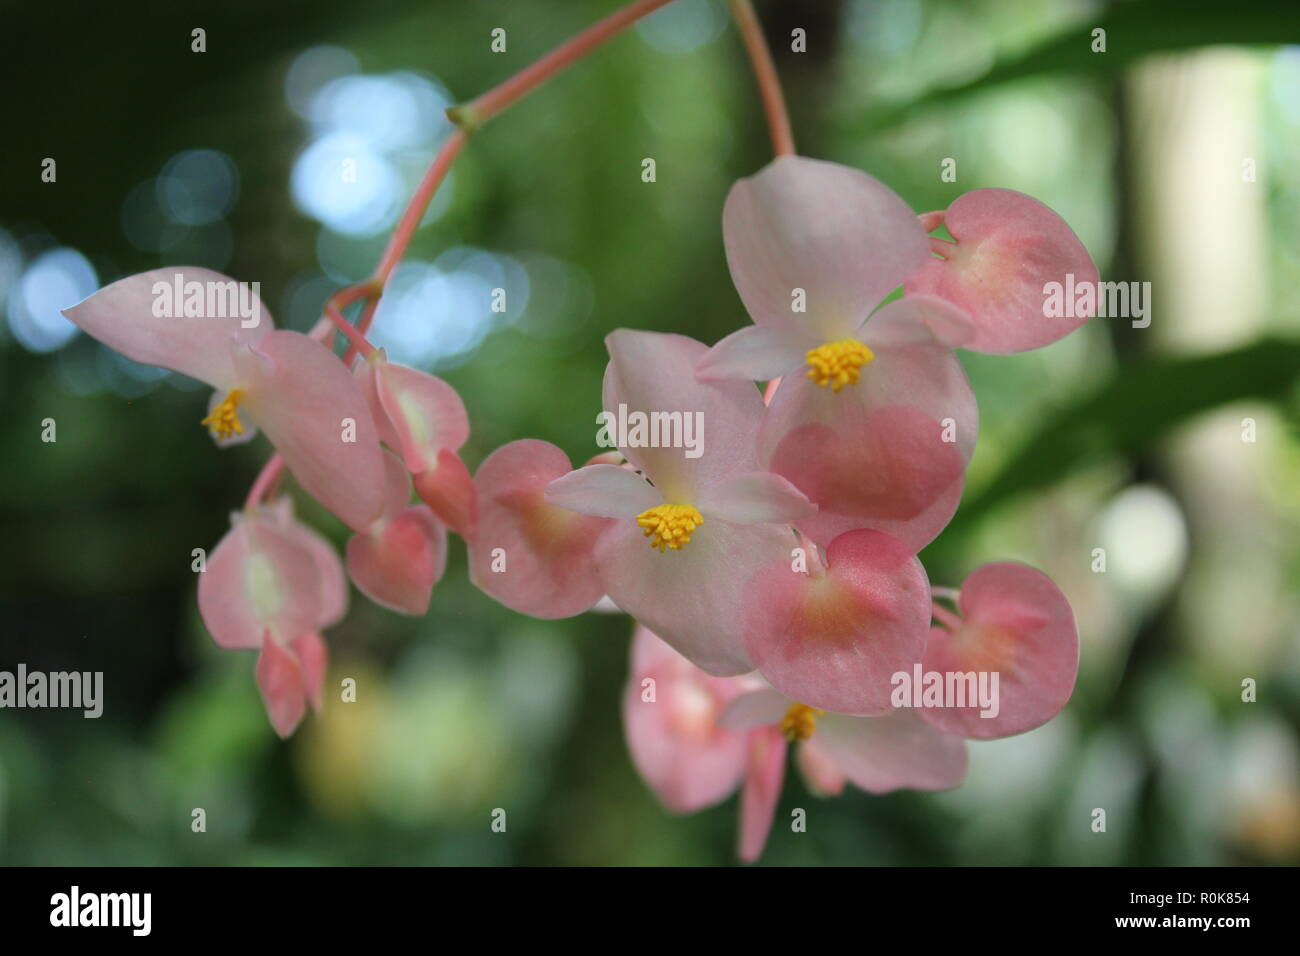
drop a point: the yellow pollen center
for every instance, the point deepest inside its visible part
(669, 526)
(223, 421)
(838, 363)
(799, 722)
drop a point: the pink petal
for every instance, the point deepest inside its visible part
(397, 485)
(280, 679)
(879, 754)
(426, 414)
(761, 707)
(549, 568)
(832, 639)
(917, 320)
(332, 585)
(692, 598)
(122, 316)
(756, 498)
(916, 532)
(833, 231)
(302, 397)
(880, 466)
(756, 353)
(654, 373)
(1019, 625)
(764, 776)
(448, 490)
(1009, 247)
(606, 491)
(313, 658)
(818, 768)
(260, 577)
(676, 743)
(398, 561)
(911, 367)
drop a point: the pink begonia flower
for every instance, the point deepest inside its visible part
(1016, 623)
(1009, 249)
(876, 754)
(879, 427)
(833, 635)
(423, 419)
(272, 585)
(696, 523)
(670, 719)
(702, 736)
(293, 388)
(397, 560)
(532, 556)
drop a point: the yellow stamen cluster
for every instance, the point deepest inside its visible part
(223, 421)
(669, 526)
(800, 721)
(838, 363)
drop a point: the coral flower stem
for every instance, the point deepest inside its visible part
(357, 341)
(478, 111)
(947, 618)
(769, 86)
(265, 479)
(410, 220)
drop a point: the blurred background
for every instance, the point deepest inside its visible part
(1175, 449)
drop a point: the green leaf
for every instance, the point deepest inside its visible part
(1144, 402)
(1133, 30)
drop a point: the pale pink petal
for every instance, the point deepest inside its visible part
(756, 353)
(448, 490)
(832, 639)
(917, 320)
(367, 382)
(693, 597)
(123, 317)
(280, 679)
(531, 556)
(916, 532)
(670, 719)
(260, 577)
(764, 775)
(397, 485)
(1009, 248)
(313, 658)
(818, 769)
(312, 411)
(762, 707)
(398, 561)
(879, 754)
(843, 237)
(426, 413)
(924, 375)
(1018, 625)
(756, 498)
(883, 466)
(606, 491)
(332, 584)
(654, 373)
